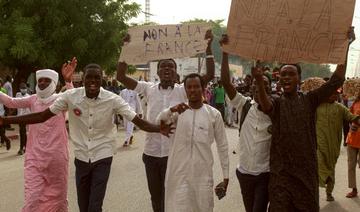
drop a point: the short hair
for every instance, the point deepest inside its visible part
(92, 66)
(172, 60)
(298, 68)
(194, 75)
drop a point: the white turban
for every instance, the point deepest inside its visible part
(46, 95)
(47, 73)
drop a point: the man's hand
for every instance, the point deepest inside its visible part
(68, 69)
(166, 129)
(209, 36)
(257, 73)
(351, 35)
(221, 188)
(180, 108)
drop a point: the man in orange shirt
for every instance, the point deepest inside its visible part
(353, 149)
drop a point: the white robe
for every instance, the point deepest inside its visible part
(189, 177)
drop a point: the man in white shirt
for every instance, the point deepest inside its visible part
(189, 176)
(132, 98)
(254, 141)
(22, 111)
(161, 95)
(91, 110)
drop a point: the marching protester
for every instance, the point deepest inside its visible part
(293, 182)
(132, 98)
(22, 111)
(47, 155)
(159, 96)
(353, 149)
(91, 110)
(189, 175)
(254, 140)
(330, 117)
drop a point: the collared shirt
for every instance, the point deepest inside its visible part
(159, 99)
(91, 121)
(254, 140)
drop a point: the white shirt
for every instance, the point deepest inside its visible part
(22, 111)
(254, 140)
(91, 121)
(132, 98)
(189, 174)
(159, 99)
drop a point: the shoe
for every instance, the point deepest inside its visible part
(131, 140)
(125, 144)
(8, 144)
(329, 197)
(21, 152)
(352, 194)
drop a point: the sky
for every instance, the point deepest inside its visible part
(176, 11)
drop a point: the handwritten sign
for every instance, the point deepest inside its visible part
(164, 41)
(290, 31)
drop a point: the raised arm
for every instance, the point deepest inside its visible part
(128, 82)
(32, 118)
(164, 129)
(264, 99)
(210, 64)
(341, 68)
(122, 67)
(225, 72)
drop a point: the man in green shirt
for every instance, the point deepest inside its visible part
(219, 94)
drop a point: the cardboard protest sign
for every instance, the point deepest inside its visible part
(290, 31)
(164, 41)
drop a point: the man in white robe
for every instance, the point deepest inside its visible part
(132, 98)
(189, 176)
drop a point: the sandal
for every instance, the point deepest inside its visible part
(352, 194)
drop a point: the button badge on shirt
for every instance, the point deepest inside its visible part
(77, 112)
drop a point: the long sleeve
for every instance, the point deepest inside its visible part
(15, 102)
(348, 116)
(222, 144)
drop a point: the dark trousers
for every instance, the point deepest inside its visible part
(23, 136)
(254, 190)
(221, 107)
(155, 168)
(3, 135)
(91, 181)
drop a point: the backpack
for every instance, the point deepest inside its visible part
(244, 112)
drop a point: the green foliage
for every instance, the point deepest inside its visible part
(315, 70)
(45, 33)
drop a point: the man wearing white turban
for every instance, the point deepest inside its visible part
(47, 155)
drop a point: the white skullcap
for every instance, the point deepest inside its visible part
(47, 73)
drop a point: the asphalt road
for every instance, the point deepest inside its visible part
(127, 188)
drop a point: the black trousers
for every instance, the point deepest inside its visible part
(221, 107)
(155, 168)
(3, 137)
(254, 190)
(23, 136)
(91, 181)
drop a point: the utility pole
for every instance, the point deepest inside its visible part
(147, 11)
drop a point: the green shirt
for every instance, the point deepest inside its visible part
(3, 90)
(219, 95)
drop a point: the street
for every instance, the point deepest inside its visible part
(127, 188)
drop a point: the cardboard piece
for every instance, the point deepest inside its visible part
(290, 31)
(149, 43)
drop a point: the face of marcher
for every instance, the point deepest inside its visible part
(22, 86)
(289, 79)
(92, 82)
(254, 88)
(193, 89)
(43, 83)
(167, 71)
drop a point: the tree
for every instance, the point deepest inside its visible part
(37, 34)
